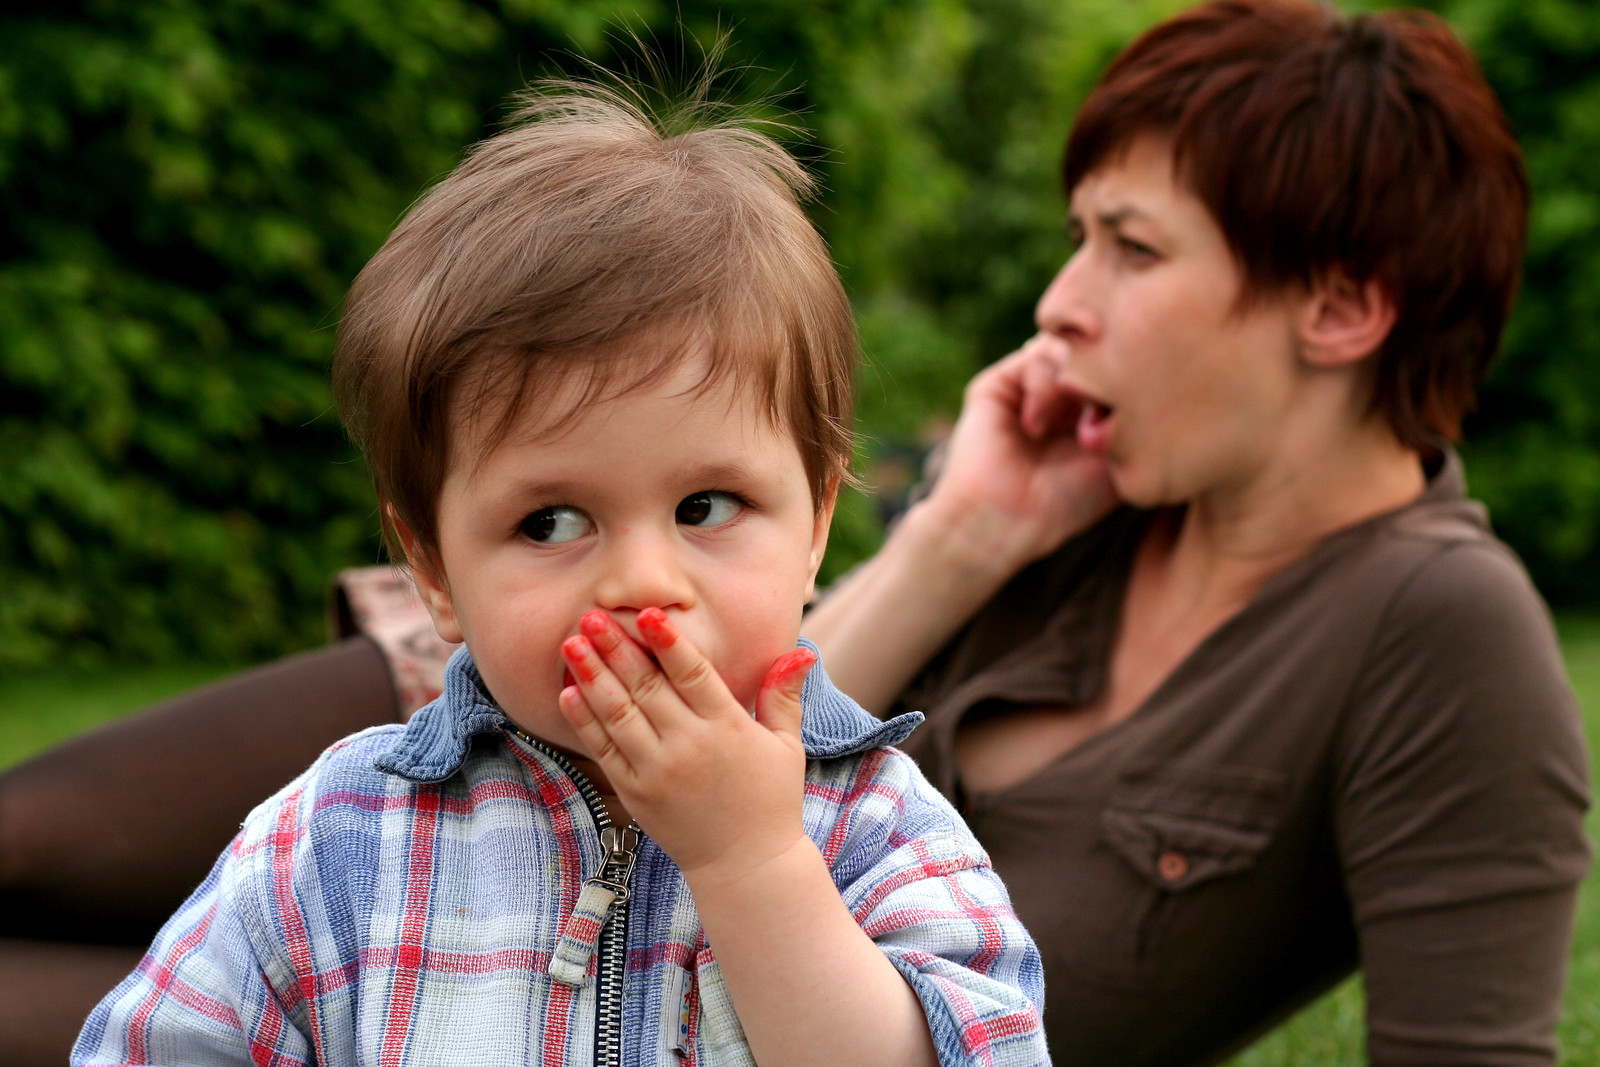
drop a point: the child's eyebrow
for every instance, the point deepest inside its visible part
(713, 474)
(689, 477)
(554, 491)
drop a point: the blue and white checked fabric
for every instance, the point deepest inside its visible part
(399, 902)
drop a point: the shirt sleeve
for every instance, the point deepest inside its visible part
(199, 996)
(918, 883)
(1462, 787)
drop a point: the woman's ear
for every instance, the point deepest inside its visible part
(427, 572)
(1344, 321)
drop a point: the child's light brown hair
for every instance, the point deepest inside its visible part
(581, 254)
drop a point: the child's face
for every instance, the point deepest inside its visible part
(695, 504)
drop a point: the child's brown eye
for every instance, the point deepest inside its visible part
(555, 526)
(708, 509)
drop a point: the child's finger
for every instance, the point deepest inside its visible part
(637, 672)
(690, 673)
(575, 709)
(778, 703)
(609, 701)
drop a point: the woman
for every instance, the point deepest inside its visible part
(1235, 686)
(1290, 708)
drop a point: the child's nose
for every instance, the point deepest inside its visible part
(643, 570)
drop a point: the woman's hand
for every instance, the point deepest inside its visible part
(1014, 486)
(1014, 475)
(717, 790)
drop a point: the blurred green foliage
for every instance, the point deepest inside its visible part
(1533, 450)
(187, 186)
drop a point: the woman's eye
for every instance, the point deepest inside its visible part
(708, 509)
(1135, 249)
(1075, 235)
(556, 526)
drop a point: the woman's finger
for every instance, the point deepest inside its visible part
(609, 700)
(1047, 410)
(690, 673)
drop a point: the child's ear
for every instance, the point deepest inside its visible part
(427, 572)
(1343, 321)
(819, 534)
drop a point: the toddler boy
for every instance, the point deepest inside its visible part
(601, 374)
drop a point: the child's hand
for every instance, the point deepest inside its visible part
(720, 792)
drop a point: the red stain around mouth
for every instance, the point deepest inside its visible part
(657, 628)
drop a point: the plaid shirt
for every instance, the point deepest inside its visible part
(401, 901)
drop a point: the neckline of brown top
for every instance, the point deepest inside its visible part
(1069, 653)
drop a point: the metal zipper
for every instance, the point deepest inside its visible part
(616, 871)
(608, 987)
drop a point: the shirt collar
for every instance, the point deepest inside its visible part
(1446, 478)
(436, 740)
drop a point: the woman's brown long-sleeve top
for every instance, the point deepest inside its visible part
(1377, 763)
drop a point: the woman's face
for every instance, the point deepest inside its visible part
(1187, 395)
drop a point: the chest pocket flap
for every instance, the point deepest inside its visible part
(1180, 827)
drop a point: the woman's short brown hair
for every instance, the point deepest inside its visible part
(581, 254)
(1370, 146)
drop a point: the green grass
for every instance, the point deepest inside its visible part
(36, 712)
(1330, 1033)
(1580, 1023)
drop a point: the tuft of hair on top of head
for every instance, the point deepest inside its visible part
(609, 232)
(1369, 146)
(673, 100)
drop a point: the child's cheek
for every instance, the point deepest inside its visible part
(745, 677)
(524, 685)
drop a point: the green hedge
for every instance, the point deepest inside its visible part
(187, 187)
(1533, 450)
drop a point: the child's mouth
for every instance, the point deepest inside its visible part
(567, 678)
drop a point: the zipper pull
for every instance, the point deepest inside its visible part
(569, 964)
(622, 850)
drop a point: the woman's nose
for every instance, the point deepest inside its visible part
(1064, 309)
(643, 568)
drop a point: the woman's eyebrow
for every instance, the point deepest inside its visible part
(1111, 220)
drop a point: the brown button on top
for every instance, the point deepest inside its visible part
(1172, 866)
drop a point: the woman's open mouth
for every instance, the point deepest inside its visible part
(1094, 427)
